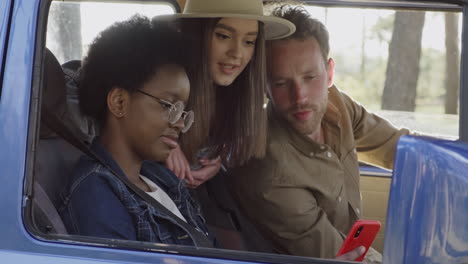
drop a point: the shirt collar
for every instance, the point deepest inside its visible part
(332, 115)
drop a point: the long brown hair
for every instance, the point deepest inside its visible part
(230, 121)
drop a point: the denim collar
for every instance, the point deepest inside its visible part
(102, 153)
(154, 171)
(165, 179)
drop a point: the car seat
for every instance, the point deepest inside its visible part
(55, 158)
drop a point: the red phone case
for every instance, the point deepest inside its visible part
(362, 233)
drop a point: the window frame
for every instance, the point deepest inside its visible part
(221, 254)
(6, 8)
(463, 126)
(51, 241)
(446, 6)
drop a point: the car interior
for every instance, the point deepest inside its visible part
(56, 156)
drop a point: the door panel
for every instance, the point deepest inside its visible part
(5, 8)
(374, 190)
(427, 212)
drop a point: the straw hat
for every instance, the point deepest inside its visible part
(275, 27)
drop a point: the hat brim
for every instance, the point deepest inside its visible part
(275, 27)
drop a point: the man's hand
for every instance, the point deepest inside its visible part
(209, 169)
(177, 163)
(352, 255)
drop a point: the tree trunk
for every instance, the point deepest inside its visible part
(452, 68)
(67, 24)
(363, 49)
(403, 62)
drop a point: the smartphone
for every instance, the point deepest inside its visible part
(362, 233)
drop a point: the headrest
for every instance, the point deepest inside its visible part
(53, 90)
(85, 127)
(60, 96)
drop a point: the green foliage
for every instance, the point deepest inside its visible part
(366, 87)
(431, 86)
(382, 30)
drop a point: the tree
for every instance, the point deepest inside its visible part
(363, 48)
(452, 67)
(403, 62)
(66, 29)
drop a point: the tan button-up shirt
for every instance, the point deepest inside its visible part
(303, 195)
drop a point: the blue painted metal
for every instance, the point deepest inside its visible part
(14, 113)
(4, 17)
(463, 78)
(369, 170)
(427, 217)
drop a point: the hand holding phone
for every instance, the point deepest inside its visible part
(362, 233)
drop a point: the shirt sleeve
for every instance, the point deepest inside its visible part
(376, 138)
(286, 214)
(95, 210)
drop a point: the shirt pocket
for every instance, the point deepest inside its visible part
(334, 203)
(330, 184)
(351, 164)
(335, 173)
(341, 202)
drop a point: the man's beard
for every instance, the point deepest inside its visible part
(312, 124)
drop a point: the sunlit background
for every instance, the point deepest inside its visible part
(359, 40)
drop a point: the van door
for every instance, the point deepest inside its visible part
(5, 9)
(427, 210)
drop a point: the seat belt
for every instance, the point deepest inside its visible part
(56, 125)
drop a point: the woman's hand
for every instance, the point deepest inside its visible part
(209, 169)
(177, 163)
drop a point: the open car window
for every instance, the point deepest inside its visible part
(360, 43)
(402, 65)
(72, 26)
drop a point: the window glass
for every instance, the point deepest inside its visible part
(72, 26)
(360, 43)
(395, 64)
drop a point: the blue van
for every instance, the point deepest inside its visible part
(423, 201)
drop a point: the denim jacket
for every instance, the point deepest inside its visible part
(98, 204)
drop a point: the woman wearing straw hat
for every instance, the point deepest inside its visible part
(98, 203)
(227, 85)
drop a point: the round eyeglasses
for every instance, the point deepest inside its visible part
(175, 112)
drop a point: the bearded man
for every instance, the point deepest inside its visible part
(304, 195)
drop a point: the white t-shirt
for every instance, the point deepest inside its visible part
(161, 196)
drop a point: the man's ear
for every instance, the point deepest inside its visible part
(117, 102)
(330, 71)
